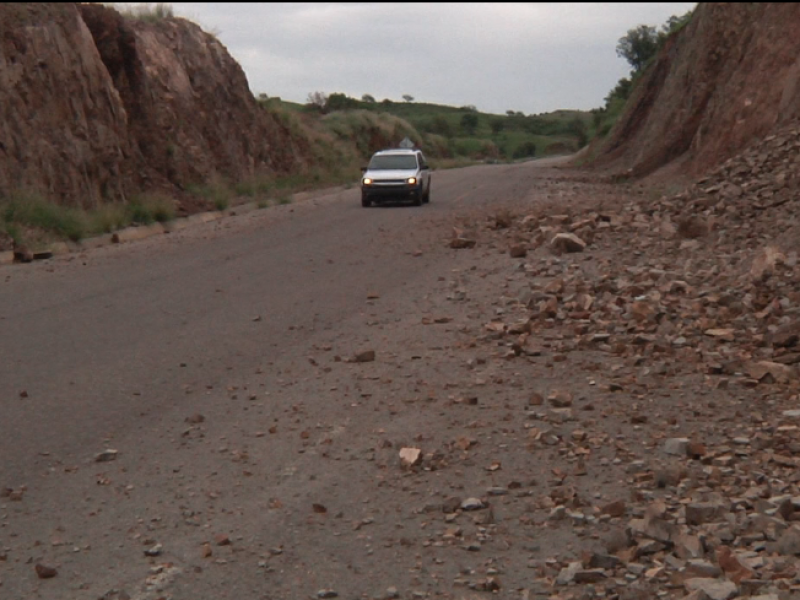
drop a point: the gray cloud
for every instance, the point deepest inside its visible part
(529, 57)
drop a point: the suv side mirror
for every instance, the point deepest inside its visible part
(363, 169)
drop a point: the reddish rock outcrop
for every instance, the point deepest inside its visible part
(95, 107)
(725, 80)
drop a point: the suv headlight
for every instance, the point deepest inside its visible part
(366, 181)
(411, 181)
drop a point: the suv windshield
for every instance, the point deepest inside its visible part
(396, 161)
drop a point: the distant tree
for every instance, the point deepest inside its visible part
(263, 97)
(673, 24)
(469, 107)
(441, 126)
(318, 100)
(408, 98)
(536, 125)
(469, 123)
(577, 127)
(497, 125)
(368, 98)
(620, 92)
(597, 117)
(524, 150)
(638, 46)
(340, 101)
(510, 113)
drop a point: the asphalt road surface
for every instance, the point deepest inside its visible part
(186, 357)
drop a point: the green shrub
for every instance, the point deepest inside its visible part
(31, 210)
(146, 11)
(145, 209)
(108, 218)
(524, 150)
(216, 191)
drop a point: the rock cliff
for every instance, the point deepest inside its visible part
(726, 80)
(96, 107)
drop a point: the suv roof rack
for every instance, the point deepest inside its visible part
(399, 150)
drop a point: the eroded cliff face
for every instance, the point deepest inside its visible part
(95, 107)
(728, 79)
(63, 128)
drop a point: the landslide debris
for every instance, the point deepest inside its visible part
(684, 312)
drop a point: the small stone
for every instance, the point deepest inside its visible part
(459, 242)
(789, 542)
(106, 455)
(696, 450)
(702, 568)
(364, 356)
(45, 572)
(715, 589)
(410, 456)
(698, 513)
(154, 550)
(518, 251)
(222, 539)
(676, 446)
(604, 561)
(567, 574)
(692, 227)
(614, 509)
(787, 336)
(327, 594)
(472, 504)
(567, 242)
(560, 399)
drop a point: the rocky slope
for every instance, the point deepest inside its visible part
(728, 78)
(96, 107)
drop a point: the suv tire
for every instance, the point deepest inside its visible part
(427, 197)
(365, 201)
(417, 199)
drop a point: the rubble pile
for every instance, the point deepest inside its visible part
(692, 299)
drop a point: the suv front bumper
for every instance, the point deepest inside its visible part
(376, 192)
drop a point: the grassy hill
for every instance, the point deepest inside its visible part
(444, 132)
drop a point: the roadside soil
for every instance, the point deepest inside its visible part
(585, 397)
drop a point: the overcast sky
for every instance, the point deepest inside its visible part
(528, 57)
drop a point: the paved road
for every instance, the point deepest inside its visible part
(113, 348)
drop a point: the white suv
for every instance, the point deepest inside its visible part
(398, 174)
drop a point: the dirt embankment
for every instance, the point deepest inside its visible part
(729, 78)
(95, 107)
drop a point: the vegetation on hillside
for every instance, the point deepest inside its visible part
(444, 132)
(639, 47)
(143, 11)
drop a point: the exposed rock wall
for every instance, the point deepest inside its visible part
(728, 78)
(95, 107)
(63, 128)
